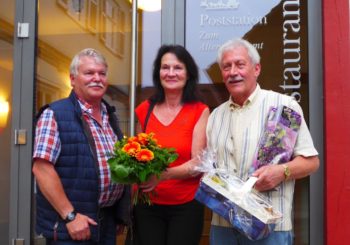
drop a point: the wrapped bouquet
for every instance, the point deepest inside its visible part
(136, 158)
(278, 138)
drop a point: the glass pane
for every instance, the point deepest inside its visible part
(67, 26)
(272, 26)
(150, 41)
(103, 25)
(6, 69)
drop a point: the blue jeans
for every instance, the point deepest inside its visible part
(225, 235)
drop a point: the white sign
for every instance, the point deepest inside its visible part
(210, 23)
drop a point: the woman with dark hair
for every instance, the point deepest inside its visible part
(178, 119)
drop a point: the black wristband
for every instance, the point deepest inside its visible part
(70, 216)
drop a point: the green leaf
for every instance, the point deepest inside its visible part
(172, 158)
(120, 171)
(111, 161)
(143, 176)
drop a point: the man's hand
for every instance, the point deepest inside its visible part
(269, 177)
(79, 228)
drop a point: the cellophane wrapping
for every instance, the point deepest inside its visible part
(246, 210)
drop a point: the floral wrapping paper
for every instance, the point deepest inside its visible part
(250, 213)
(278, 138)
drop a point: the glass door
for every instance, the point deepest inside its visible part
(209, 24)
(65, 27)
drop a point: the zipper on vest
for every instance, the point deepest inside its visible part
(55, 231)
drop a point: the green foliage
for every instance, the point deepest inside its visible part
(126, 169)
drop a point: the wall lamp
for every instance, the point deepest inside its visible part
(4, 111)
(149, 5)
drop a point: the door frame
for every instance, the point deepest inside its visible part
(22, 118)
(173, 31)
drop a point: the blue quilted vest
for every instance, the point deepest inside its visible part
(77, 168)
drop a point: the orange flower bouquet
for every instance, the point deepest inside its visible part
(137, 158)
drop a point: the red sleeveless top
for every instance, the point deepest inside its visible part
(178, 134)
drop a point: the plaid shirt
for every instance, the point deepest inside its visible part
(47, 146)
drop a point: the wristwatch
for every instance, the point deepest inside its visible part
(286, 171)
(70, 216)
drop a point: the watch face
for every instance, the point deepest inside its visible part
(286, 172)
(70, 216)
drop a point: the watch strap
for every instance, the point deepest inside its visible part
(70, 216)
(286, 171)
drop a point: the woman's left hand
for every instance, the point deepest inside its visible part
(120, 229)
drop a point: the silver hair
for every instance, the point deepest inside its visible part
(88, 52)
(235, 43)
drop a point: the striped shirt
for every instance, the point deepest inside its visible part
(234, 131)
(47, 146)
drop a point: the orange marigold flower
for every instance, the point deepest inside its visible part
(144, 155)
(142, 138)
(132, 139)
(131, 148)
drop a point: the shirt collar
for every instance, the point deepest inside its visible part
(250, 99)
(87, 108)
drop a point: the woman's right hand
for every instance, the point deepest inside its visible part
(150, 184)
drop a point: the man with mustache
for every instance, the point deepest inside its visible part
(77, 203)
(233, 132)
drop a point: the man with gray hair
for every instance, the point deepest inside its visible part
(77, 203)
(233, 131)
